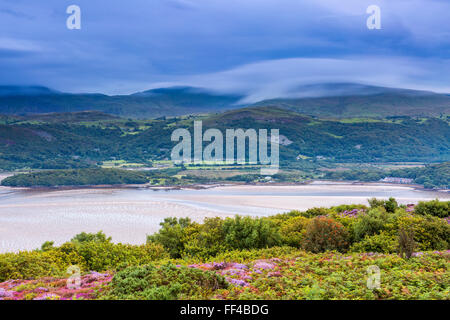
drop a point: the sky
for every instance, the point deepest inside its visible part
(260, 48)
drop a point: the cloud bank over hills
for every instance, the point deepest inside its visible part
(336, 100)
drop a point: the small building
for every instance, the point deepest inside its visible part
(397, 180)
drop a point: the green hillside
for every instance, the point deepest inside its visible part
(46, 144)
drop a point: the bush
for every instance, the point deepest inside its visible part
(348, 207)
(103, 256)
(390, 205)
(370, 223)
(406, 243)
(35, 264)
(250, 233)
(88, 255)
(375, 203)
(323, 234)
(382, 242)
(182, 238)
(316, 212)
(90, 237)
(255, 254)
(167, 282)
(430, 233)
(293, 230)
(435, 208)
(207, 241)
(172, 235)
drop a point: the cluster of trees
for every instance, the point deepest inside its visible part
(99, 176)
(356, 175)
(375, 229)
(430, 176)
(76, 177)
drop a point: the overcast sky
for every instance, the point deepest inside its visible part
(262, 48)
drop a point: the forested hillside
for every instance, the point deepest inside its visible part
(46, 144)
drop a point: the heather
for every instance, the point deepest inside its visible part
(321, 253)
(294, 274)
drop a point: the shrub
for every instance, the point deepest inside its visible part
(375, 203)
(248, 233)
(280, 217)
(383, 242)
(47, 245)
(90, 237)
(167, 282)
(316, 212)
(324, 234)
(34, 264)
(390, 205)
(103, 256)
(207, 241)
(435, 208)
(348, 207)
(406, 243)
(254, 254)
(430, 233)
(370, 223)
(172, 235)
(88, 255)
(292, 231)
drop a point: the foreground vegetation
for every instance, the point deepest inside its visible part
(322, 253)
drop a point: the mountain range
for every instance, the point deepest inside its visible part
(148, 104)
(332, 100)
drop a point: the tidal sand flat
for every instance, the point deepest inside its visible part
(30, 217)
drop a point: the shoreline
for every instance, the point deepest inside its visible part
(29, 218)
(203, 186)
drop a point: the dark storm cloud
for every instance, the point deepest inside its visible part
(253, 46)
